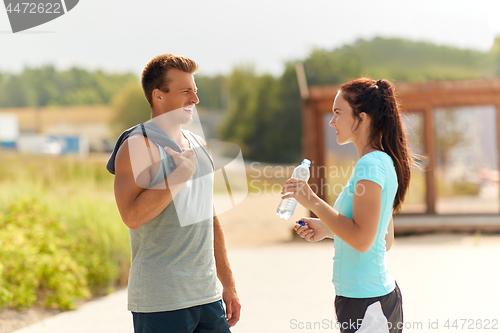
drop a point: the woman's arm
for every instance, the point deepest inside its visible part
(360, 231)
(389, 238)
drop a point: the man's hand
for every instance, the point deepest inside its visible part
(185, 161)
(233, 305)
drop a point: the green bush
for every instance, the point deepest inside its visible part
(68, 243)
(37, 263)
(457, 188)
(102, 242)
(461, 188)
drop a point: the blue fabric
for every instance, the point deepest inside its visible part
(152, 132)
(161, 174)
(207, 318)
(363, 275)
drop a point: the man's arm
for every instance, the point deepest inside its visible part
(136, 201)
(224, 272)
(225, 275)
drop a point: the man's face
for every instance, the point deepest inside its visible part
(180, 99)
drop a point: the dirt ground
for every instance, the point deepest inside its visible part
(11, 320)
(254, 222)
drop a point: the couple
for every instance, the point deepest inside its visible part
(163, 189)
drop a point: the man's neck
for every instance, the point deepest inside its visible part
(165, 123)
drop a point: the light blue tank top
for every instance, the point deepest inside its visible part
(365, 275)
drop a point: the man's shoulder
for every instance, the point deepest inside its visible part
(137, 149)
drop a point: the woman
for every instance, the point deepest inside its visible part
(365, 113)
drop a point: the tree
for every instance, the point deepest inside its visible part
(242, 94)
(495, 56)
(405, 60)
(130, 107)
(324, 67)
(212, 92)
(285, 139)
(47, 86)
(13, 92)
(260, 119)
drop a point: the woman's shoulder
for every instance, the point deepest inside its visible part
(373, 166)
(375, 157)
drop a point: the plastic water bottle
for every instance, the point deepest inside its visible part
(287, 206)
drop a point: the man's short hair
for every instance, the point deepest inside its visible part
(155, 73)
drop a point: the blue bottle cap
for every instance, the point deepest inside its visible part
(306, 162)
(301, 223)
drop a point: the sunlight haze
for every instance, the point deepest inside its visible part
(123, 35)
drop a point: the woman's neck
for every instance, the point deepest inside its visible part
(364, 148)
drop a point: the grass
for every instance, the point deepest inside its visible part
(79, 194)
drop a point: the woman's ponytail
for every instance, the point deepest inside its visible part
(379, 101)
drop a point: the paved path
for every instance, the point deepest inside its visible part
(285, 287)
(105, 315)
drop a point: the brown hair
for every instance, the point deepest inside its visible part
(378, 99)
(155, 73)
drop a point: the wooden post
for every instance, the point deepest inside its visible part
(301, 78)
(498, 140)
(310, 141)
(320, 155)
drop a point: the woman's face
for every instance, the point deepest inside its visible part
(343, 120)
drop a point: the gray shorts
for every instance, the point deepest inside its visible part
(384, 313)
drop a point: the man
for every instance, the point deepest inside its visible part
(175, 264)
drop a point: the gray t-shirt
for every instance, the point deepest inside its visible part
(173, 263)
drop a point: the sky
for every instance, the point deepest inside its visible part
(122, 35)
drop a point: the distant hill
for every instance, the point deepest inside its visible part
(397, 60)
(46, 86)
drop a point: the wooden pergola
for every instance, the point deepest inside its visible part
(422, 98)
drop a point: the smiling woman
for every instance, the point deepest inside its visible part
(366, 113)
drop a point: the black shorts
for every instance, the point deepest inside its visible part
(206, 318)
(377, 314)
